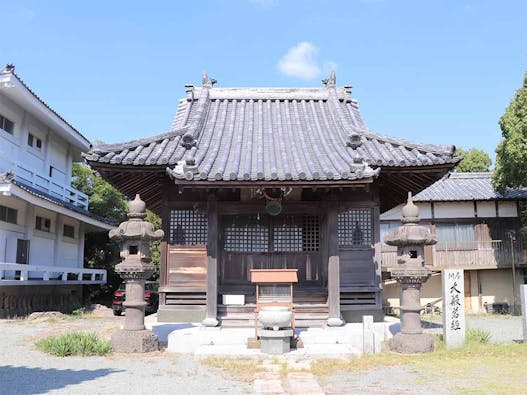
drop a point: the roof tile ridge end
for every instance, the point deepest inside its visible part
(201, 113)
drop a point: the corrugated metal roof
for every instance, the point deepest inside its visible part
(270, 134)
(467, 186)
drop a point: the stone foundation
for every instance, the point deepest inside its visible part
(165, 314)
(135, 341)
(275, 342)
(406, 343)
(20, 301)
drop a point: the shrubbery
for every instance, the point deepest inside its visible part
(74, 343)
(477, 336)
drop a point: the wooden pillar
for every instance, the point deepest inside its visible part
(377, 256)
(333, 267)
(212, 263)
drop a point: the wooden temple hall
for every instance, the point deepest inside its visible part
(270, 178)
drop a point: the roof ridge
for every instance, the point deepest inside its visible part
(474, 174)
(10, 69)
(434, 148)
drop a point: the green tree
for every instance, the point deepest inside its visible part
(104, 199)
(511, 154)
(473, 160)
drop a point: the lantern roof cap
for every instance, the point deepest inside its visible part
(410, 233)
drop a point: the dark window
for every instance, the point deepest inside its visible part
(355, 227)
(69, 231)
(188, 227)
(22, 251)
(51, 171)
(8, 214)
(33, 141)
(133, 250)
(43, 224)
(7, 125)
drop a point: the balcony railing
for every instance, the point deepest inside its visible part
(20, 274)
(490, 254)
(52, 187)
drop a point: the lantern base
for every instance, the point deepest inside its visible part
(135, 341)
(407, 343)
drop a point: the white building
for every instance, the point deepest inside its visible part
(43, 219)
(477, 229)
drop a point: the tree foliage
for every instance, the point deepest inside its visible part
(104, 199)
(474, 160)
(511, 158)
(511, 154)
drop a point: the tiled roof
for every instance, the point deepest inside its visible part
(467, 186)
(9, 178)
(244, 134)
(10, 69)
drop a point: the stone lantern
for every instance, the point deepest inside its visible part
(135, 236)
(410, 271)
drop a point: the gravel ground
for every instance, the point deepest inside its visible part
(503, 329)
(24, 370)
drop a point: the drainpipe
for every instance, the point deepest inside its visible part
(512, 239)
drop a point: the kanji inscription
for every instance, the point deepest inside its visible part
(453, 308)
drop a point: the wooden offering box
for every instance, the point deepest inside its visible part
(274, 287)
(278, 276)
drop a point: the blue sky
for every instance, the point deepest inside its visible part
(430, 71)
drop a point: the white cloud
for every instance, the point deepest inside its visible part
(301, 61)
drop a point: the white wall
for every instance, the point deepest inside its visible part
(486, 209)
(14, 149)
(454, 210)
(507, 209)
(46, 248)
(41, 249)
(445, 210)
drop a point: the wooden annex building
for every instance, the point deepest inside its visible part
(270, 178)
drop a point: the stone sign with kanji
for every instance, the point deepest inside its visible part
(453, 308)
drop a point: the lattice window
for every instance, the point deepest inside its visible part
(355, 227)
(296, 233)
(311, 232)
(288, 233)
(245, 233)
(188, 227)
